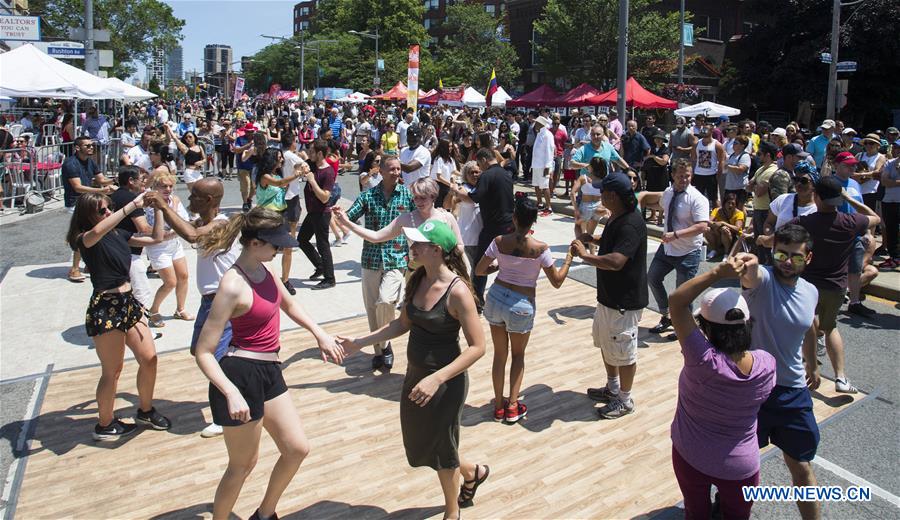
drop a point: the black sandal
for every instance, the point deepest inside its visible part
(466, 494)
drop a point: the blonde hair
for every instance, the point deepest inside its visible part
(247, 224)
(164, 177)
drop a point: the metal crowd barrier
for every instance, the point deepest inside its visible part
(39, 169)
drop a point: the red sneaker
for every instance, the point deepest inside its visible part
(500, 413)
(515, 411)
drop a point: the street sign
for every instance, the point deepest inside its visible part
(379, 64)
(825, 57)
(106, 57)
(688, 35)
(376, 81)
(77, 33)
(846, 66)
(62, 50)
(20, 28)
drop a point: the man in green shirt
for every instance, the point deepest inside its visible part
(384, 264)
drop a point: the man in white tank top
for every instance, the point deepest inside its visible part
(206, 195)
(708, 157)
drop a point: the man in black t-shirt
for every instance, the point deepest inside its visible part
(621, 263)
(131, 184)
(494, 196)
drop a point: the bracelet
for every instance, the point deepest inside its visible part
(675, 233)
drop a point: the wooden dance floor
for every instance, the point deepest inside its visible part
(562, 462)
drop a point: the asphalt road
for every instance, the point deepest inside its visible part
(862, 442)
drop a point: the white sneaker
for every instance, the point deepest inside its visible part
(336, 242)
(213, 430)
(712, 254)
(843, 386)
(345, 239)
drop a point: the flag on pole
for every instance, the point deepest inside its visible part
(412, 78)
(492, 87)
(440, 83)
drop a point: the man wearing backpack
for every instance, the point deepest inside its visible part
(317, 195)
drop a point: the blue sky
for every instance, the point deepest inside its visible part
(230, 22)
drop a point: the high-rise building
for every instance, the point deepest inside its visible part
(246, 63)
(216, 58)
(175, 65)
(157, 66)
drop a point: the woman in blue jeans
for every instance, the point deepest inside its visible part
(510, 307)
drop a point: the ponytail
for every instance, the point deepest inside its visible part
(221, 238)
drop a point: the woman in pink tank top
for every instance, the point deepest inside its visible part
(247, 385)
(509, 305)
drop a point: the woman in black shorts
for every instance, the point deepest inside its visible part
(439, 301)
(247, 385)
(114, 317)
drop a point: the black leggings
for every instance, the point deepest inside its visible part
(226, 157)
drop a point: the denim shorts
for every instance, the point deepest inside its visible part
(857, 257)
(588, 210)
(504, 307)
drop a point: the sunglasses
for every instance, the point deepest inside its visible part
(802, 180)
(103, 210)
(796, 259)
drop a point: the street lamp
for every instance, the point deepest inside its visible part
(375, 37)
(303, 46)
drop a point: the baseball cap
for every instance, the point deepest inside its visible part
(794, 149)
(723, 119)
(780, 131)
(849, 130)
(892, 130)
(433, 232)
(618, 183)
(845, 158)
(829, 190)
(828, 123)
(719, 306)
(277, 236)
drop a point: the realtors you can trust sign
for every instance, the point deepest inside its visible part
(22, 28)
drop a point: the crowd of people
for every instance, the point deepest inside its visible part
(794, 221)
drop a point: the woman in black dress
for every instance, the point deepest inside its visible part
(439, 301)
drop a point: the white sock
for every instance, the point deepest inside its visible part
(612, 383)
(624, 396)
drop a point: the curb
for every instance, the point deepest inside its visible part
(881, 287)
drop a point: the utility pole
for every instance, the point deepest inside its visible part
(623, 60)
(832, 67)
(91, 60)
(681, 46)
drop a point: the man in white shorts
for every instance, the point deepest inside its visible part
(621, 263)
(542, 163)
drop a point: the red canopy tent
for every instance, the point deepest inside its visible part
(397, 93)
(635, 96)
(577, 96)
(543, 96)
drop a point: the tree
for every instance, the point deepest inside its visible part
(473, 47)
(154, 86)
(399, 22)
(577, 40)
(136, 27)
(777, 65)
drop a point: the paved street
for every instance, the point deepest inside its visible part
(41, 330)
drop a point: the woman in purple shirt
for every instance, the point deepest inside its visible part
(721, 387)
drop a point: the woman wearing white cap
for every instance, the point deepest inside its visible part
(435, 308)
(720, 390)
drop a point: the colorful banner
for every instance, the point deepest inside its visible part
(412, 78)
(238, 90)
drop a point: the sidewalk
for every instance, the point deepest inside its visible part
(886, 285)
(42, 314)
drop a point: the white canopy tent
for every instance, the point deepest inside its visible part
(500, 98)
(129, 93)
(28, 72)
(473, 98)
(708, 109)
(355, 97)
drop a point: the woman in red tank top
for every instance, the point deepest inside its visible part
(247, 385)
